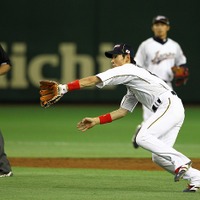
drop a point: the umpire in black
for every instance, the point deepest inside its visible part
(5, 168)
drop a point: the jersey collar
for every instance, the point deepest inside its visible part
(160, 40)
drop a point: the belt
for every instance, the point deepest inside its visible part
(174, 93)
(158, 102)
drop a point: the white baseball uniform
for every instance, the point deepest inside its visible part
(158, 134)
(159, 57)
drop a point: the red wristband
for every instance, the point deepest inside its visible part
(105, 118)
(75, 85)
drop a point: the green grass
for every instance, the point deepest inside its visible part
(31, 131)
(75, 184)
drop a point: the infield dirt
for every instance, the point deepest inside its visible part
(92, 163)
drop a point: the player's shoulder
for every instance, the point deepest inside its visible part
(133, 67)
(148, 40)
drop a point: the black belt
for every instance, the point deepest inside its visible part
(158, 102)
(174, 93)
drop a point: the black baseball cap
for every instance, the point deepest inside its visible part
(120, 49)
(160, 19)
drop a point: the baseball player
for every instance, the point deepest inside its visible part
(5, 168)
(159, 132)
(158, 55)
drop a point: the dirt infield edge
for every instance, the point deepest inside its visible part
(92, 163)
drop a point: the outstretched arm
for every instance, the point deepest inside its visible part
(79, 84)
(82, 83)
(89, 122)
(89, 81)
(51, 91)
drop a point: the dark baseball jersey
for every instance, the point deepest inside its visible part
(4, 57)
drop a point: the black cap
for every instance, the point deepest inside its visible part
(120, 49)
(160, 19)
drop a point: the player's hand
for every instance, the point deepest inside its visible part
(87, 123)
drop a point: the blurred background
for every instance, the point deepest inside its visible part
(66, 39)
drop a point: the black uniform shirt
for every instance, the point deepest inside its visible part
(4, 57)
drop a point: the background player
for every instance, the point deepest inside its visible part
(5, 168)
(158, 55)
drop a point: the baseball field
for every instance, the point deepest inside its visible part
(51, 159)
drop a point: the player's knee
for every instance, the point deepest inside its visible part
(141, 139)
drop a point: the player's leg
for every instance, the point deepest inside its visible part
(146, 114)
(169, 138)
(5, 168)
(192, 175)
(170, 115)
(135, 145)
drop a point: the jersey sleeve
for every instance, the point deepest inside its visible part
(115, 76)
(140, 56)
(129, 102)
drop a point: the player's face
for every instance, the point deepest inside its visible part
(160, 30)
(119, 60)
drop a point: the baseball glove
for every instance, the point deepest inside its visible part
(49, 93)
(181, 75)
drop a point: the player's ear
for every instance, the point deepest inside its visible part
(128, 58)
(168, 28)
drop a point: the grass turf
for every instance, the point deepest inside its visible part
(31, 131)
(75, 184)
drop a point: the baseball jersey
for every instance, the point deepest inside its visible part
(159, 57)
(4, 59)
(141, 85)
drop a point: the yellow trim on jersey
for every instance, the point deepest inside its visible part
(161, 115)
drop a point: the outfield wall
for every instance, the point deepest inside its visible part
(66, 39)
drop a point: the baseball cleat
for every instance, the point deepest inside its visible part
(135, 145)
(9, 174)
(180, 172)
(191, 188)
